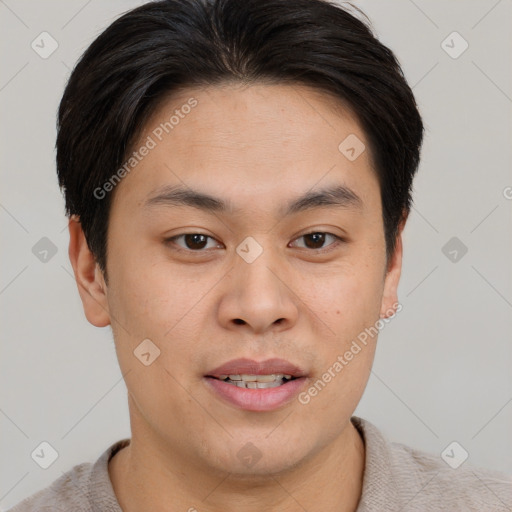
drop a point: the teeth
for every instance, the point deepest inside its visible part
(253, 378)
(261, 378)
(256, 381)
(256, 385)
(256, 378)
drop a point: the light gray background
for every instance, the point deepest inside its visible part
(443, 366)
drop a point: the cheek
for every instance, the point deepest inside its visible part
(161, 304)
(148, 305)
(151, 297)
(349, 307)
(347, 297)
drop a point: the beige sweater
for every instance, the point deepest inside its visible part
(396, 478)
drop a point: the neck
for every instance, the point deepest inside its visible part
(145, 477)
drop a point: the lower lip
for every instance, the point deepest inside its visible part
(257, 399)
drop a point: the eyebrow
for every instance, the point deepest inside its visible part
(339, 196)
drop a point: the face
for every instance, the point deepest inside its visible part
(285, 259)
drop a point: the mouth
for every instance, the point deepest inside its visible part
(257, 386)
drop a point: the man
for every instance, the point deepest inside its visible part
(237, 176)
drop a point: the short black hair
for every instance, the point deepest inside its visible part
(165, 46)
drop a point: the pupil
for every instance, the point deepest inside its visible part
(196, 239)
(318, 238)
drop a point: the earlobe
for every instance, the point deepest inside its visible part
(88, 276)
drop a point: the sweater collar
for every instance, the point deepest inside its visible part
(379, 491)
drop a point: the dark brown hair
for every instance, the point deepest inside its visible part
(163, 46)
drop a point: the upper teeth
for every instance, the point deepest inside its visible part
(257, 378)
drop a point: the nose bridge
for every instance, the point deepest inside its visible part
(257, 295)
(258, 278)
(256, 265)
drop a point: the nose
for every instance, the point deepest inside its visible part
(258, 296)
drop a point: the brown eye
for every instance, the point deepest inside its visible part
(195, 241)
(314, 240)
(192, 241)
(317, 239)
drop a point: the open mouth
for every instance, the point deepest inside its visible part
(256, 381)
(257, 386)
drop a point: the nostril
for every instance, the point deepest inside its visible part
(239, 321)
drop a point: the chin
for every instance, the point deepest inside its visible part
(274, 468)
(246, 459)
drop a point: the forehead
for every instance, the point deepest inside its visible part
(249, 142)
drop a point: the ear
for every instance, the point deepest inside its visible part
(389, 303)
(88, 276)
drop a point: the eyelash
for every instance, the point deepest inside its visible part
(338, 241)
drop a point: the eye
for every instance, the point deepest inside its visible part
(316, 240)
(195, 242)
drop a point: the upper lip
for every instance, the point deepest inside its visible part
(251, 367)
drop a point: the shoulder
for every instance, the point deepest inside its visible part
(414, 480)
(69, 492)
(435, 482)
(84, 488)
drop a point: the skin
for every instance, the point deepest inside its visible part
(258, 146)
